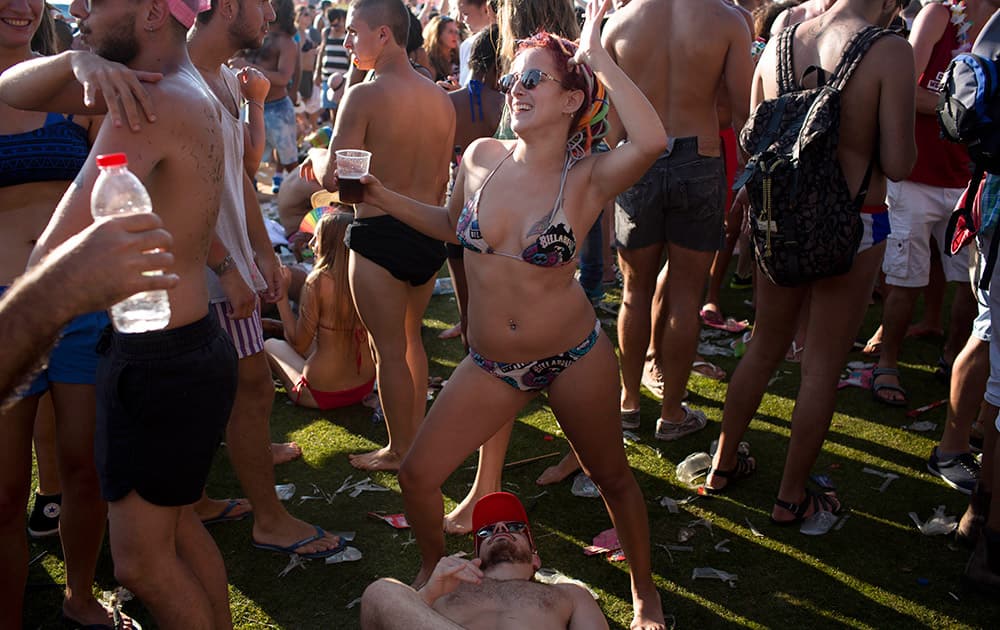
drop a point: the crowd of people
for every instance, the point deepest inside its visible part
(625, 131)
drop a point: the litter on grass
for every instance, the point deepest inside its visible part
(113, 600)
(714, 574)
(398, 521)
(294, 560)
(584, 486)
(685, 534)
(349, 554)
(285, 491)
(670, 504)
(888, 476)
(629, 436)
(913, 413)
(921, 426)
(753, 530)
(354, 602)
(818, 524)
(693, 466)
(551, 576)
(605, 543)
(939, 523)
(722, 546)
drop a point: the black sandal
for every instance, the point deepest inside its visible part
(745, 466)
(824, 502)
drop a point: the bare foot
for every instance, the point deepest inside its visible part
(874, 345)
(91, 613)
(218, 510)
(554, 474)
(382, 459)
(459, 520)
(647, 613)
(285, 452)
(290, 531)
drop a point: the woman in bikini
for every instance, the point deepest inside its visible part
(324, 360)
(531, 327)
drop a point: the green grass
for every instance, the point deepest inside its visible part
(877, 571)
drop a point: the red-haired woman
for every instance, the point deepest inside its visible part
(531, 327)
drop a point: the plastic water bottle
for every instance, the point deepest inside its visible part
(118, 192)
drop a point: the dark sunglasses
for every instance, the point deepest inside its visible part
(529, 79)
(513, 527)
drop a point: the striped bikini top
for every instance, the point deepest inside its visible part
(56, 151)
(554, 247)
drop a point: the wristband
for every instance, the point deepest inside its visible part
(250, 102)
(224, 266)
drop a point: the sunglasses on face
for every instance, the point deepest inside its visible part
(513, 527)
(529, 79)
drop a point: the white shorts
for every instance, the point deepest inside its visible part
(918, 212)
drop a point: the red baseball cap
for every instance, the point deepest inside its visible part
(498, 507)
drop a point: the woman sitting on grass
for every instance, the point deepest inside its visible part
(517, 207)
(337, 370)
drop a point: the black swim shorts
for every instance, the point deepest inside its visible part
(163, 400)
(680, 200)
(396, 247)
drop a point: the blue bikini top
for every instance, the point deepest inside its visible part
(554, 247)
(54, 152)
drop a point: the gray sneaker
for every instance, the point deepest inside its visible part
(630, 419)
(961, 472)
(694, 420)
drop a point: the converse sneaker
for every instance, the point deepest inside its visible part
(44, 519)
(693, 421)
(960, 472)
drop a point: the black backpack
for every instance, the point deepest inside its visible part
(804, 221)
(969, 113)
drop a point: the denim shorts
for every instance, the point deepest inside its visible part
(280, 131)
(680, 199)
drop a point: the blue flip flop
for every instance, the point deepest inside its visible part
(292, 549)
(226, 515)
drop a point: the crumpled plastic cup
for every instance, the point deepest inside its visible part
(694, 465)
(584, 486)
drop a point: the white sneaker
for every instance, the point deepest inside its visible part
(694, 421)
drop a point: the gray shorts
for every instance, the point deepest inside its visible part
(681, 199)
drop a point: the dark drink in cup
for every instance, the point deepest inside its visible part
(352, 165)
(351, 189)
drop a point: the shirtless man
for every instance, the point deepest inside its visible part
(794, 15)
(154, 446)
(235, 280)
(677, 52)
(392, 266)
(277, 59)
(480, 593)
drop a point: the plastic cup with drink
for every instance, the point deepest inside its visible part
(352, 165)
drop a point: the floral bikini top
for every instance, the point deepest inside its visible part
(554, 247)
